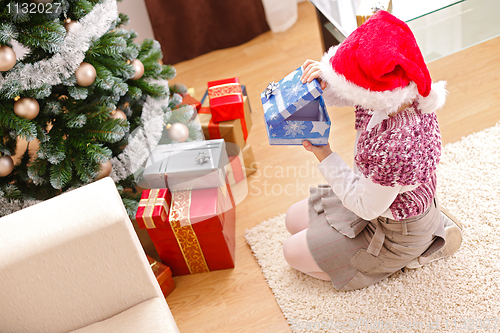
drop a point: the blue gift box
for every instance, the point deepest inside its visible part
(295, 111)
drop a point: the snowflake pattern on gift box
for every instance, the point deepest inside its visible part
(291, 87)
(294, 128)
(293, 91)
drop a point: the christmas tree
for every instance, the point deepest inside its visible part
(89, 101)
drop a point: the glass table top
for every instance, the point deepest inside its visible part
(441, 27)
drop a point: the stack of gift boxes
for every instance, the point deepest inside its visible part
(188, 208)
(219, 121)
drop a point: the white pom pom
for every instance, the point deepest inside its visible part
(436, 98)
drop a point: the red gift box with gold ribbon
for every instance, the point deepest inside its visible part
(163, 275)
(154, 208)
(226, 99)
(200, 235)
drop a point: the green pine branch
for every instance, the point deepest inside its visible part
(122, 20)
(8, 31)
(60, 174)
(117, 67)
(108, 45)
(80, 8)
(54, 150)
(152, 89)
(109, 131)
(168, 72)
(47, 36)
(134, 92)
(11, 89)
(37, 170)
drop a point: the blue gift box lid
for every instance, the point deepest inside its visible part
(288, 96)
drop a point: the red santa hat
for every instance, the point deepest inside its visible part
(380, 67)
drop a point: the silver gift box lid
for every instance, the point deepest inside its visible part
(188, 160)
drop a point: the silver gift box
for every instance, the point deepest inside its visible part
(186, 166)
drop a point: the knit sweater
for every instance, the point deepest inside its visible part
(401, 150)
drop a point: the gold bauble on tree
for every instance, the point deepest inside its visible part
(26, 107)
(6, 165)
(7, 58)
(68, 24)
(85, 74)
(118, 114)
(105, 169)
(138, 68)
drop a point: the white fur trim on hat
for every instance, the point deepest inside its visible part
(436, 98)
(379, 101)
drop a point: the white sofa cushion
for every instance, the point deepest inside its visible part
(152, 316)
(71, 261)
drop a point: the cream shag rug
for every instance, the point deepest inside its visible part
(460, 293)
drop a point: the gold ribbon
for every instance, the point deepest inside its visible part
(149, 205)
(184, 233)
(224, 90)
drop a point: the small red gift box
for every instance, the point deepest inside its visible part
(226, 100)
(163, 275)
(200, 235)
(153, 208)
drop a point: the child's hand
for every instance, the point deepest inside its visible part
(311, 70)
(321, 152)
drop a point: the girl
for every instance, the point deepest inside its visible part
(382, 215)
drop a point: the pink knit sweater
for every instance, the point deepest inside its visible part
(404, 150)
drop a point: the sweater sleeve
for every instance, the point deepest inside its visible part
(363, 197)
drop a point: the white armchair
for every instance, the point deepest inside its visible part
(74, 263)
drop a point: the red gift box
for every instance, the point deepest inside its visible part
(226, 100)
(200, 235)
(153, 209)
(163, 275)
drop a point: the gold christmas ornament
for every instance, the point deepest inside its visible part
(118, 114)
(138, 68)
(105, 169)
(26, 108)
(7, 58)
(68, 24)
(6, 165)
(178, 132)
(85, 74)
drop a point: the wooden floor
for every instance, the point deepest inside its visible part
(239, 300)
